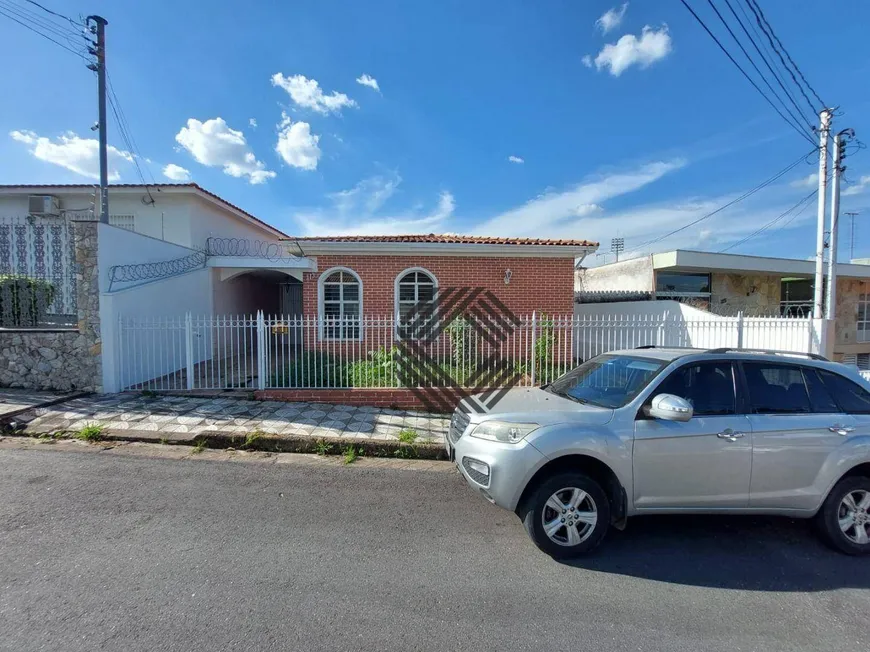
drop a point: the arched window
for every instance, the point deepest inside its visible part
(340, 304)
(415, 290)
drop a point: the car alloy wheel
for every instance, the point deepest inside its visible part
(569, 516)
(853, 516)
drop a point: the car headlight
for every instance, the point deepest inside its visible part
(503, 431)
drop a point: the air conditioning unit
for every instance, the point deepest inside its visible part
(43, 206)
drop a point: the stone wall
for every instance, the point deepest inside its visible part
(755, 295)
(61, 359)
(848, 292)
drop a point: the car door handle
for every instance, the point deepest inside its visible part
(730, 435)
(841, 430)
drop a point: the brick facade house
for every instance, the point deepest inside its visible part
(380, 273)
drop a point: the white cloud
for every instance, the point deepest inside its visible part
(358, 211)
(79, 155)
(587, 209)
(516, 159)
(215, 144)
(367, 196)
(611, 18)
(368, 80)
(176, 173)
(252, 123)
(587, 60)
(857, 188)
(810, 181)
(653, 45)
(308, 94)
(550, 211)
(296, 144)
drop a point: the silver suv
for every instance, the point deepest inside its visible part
(656, 431)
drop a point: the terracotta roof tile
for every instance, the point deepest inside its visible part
(449, 238)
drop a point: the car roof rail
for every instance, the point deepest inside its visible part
(734, 349)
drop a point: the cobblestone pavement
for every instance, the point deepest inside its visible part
(174, 417)
(12, 400)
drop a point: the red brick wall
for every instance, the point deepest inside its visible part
(541, 284)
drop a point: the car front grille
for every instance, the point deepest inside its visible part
(480, 478)
(458, 424)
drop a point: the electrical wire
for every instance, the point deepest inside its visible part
(75, 38)
(771, 36)
(44, 35)
(797, 120)
(744, 73)
(767, 63)
(47, 10)
(806, 203)
(126, 135)
(748, 193)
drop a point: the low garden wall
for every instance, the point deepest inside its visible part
(48, 359)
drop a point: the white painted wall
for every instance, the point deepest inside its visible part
(635, 275)
(207, 220)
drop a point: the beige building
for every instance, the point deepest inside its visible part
(726, 284)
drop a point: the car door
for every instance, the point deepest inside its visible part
(701, 463)
(796, 423)
(853, 399)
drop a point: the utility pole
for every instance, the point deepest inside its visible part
(852, 235)
(99, 28)
(824, 130)
(839, 155)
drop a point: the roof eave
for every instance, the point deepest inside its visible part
(326, 247)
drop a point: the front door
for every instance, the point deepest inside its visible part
(705, 462)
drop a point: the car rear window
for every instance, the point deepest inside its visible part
(776, 389)
(851, 397)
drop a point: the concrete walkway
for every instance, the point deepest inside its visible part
(184, 419)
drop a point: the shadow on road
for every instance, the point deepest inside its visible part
(746, 553)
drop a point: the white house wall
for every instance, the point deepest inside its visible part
(634, 275)
(208, 220)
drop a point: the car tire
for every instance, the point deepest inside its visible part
(569, 531)
(845, 510)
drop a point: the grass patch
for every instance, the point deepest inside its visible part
(407, 435)
(405, 453)
(164, 441)
(252, 438)
(322, 447)
(198, 447)
(91, 432)
(351, 454)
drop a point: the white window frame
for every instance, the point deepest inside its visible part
(320, 305)
(397, 282)
(863, 309)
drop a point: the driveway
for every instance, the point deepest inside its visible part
(111, 551)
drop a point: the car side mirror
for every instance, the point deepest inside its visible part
(669, 408)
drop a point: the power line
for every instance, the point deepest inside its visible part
(45, 9)
(771, 35)
(740, 68)
(43, 22)
(766, 62)
(748, 193)
(43, 35)
(806, 204)
(127, 136)
(796, 119)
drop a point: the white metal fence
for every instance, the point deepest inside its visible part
(263, 352)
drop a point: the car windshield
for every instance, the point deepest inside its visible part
(608, 381)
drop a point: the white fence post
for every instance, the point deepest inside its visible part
(261, 351)
(188, 347)
(740, 329)
(534, 317)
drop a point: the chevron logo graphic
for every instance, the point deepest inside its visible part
(485, 323)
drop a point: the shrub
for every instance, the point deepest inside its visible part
(311, 369)
(24, 300)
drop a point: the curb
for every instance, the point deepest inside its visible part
(274, 443)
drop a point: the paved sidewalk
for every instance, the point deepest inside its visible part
(13, 400)
(180, 418)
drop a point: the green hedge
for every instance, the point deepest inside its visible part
(24, 301)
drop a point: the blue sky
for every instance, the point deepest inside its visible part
(630, 126)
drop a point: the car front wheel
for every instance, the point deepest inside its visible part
(567, 515)
(844, 519)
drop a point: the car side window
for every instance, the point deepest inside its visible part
(820, 398)
(776, 388)
(851, 397)
(708, 386)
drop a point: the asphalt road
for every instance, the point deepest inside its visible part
(104, 551)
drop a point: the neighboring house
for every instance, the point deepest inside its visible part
(176, 249)
(726, 284)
